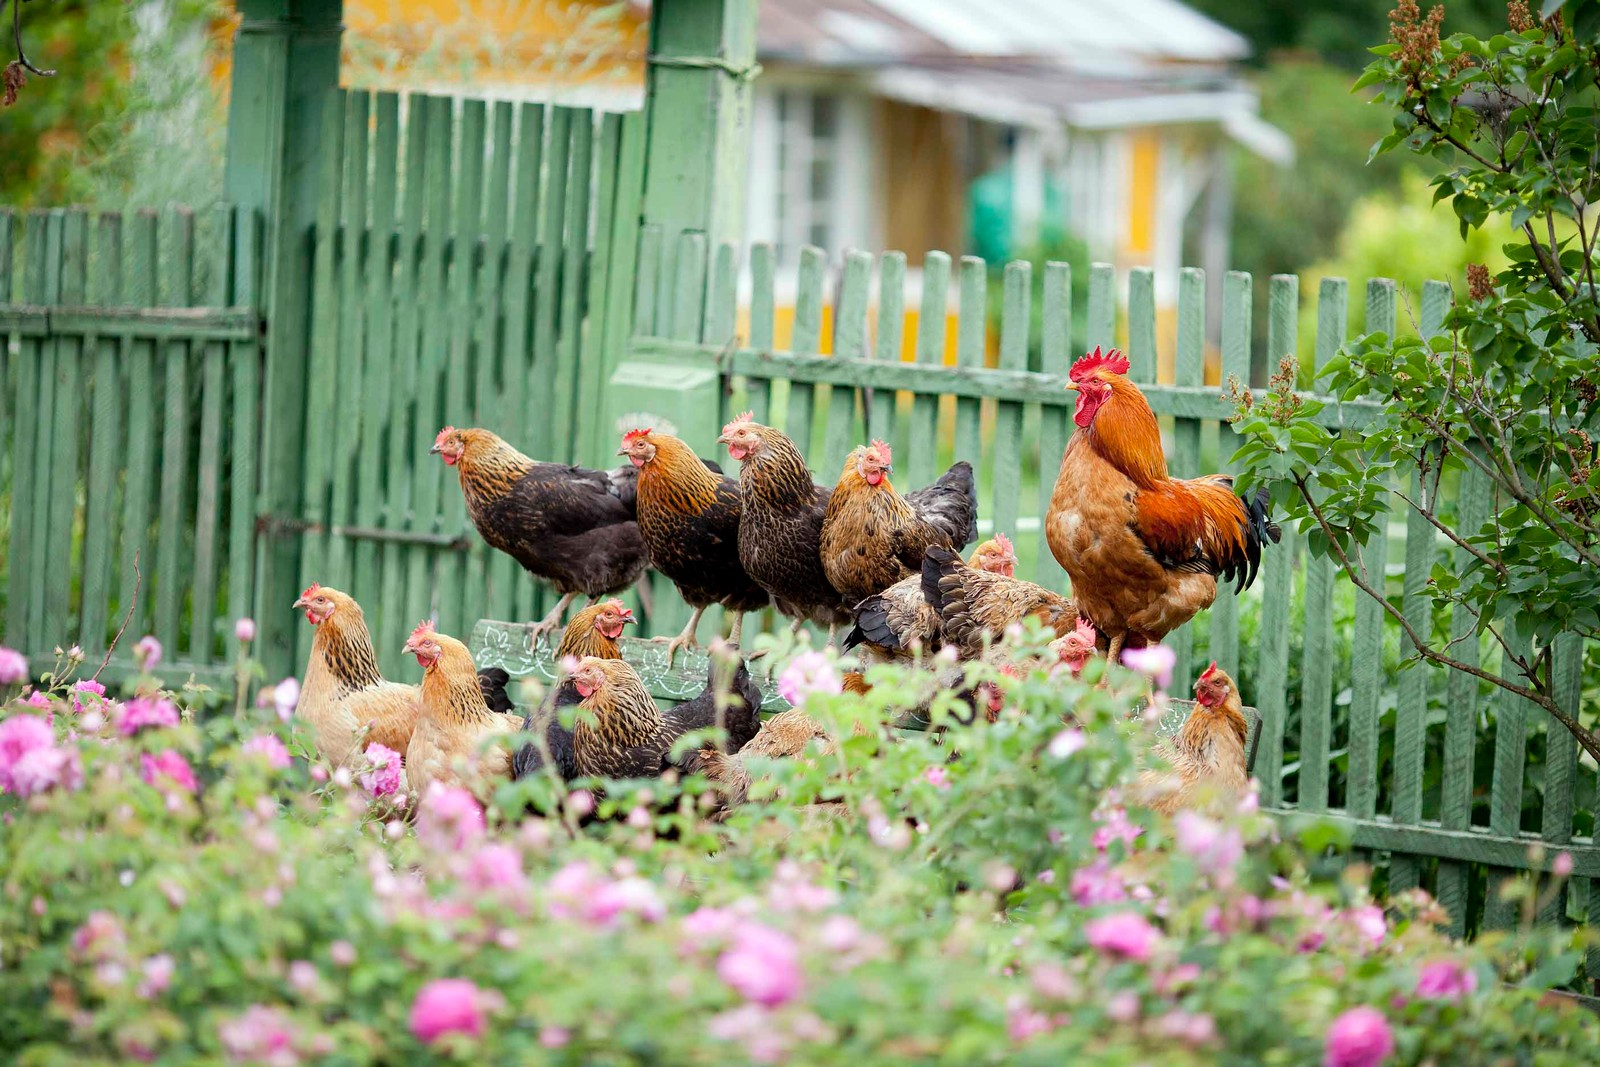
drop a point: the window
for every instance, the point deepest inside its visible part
(809, 182)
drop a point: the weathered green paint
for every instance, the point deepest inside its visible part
(1055, 356)
(1189, 372)
(1236, 315)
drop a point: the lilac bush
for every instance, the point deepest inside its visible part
(188, 887)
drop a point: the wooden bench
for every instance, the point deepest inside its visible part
(505, 645)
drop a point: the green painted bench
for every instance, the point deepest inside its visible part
(505, 645)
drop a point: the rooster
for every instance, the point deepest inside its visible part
(594, 631)
(1208, 755)
(899, 623)
(1144, 551)
(872, 536)
(689, 517)
(780, 524)
(976, 606)
(457, 729)
(569, 526)
(343, 692)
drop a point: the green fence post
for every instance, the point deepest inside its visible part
(285, 68)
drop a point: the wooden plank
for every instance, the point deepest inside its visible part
(1190, 370)
(1055, 356)
(1514, 716)
(139, 289)
(488, 397)
(1560, 764)
(321, 426)
(541, 441)
(722, 299)
(1141, 325)
(461, 574)
(1508, 852)
(172, 576)
(763, 273)
(41, 454)
(931, 319)
(596, 443)
(883, 407)
(806, 339)
(1006, 451)
(351, 268)
(849, 343)
(1411, 710)
(65, 430)
(29, 376)
(1237, 308)
(1316, 664)
(1272, 672)
(11, 405)
(617, 321)
(105, 445)
(972, 330)
(208, 459)
(575, 250)
(246, 359)
(1102, 305)
(378, 361)
(644, 298)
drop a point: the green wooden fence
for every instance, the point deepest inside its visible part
(1405, 759)
(129, 396)
(461, 250)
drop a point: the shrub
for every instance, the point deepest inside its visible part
(975, 894)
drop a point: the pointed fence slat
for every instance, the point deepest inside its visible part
(807, 338)
(1055, 357)
(1006, 449)
(170, 579)
(924, 435)
(1236, 334)
(1189, 371)
(763, 268)
(105, 445)
(1141, 324)
(883, 411)
(971, 335)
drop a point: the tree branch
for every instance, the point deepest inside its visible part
(16, 36)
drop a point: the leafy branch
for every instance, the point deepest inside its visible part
(16, 72)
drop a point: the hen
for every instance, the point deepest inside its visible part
(619, 731)
(594, 631)
(976, 606)
(872, 536)
(1144, 551)
(454, 739)
(343, 692)
(780, 524)
(740, 717)
(786, 734)
(1208, 755)
(689, 517)
(898, 623)
(569, 526)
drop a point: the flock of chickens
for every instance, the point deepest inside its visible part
(1143, 551)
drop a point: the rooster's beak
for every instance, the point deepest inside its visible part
(1072, 387)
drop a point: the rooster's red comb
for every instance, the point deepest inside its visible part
(1113, 361)
(633, 435)
(438, 442)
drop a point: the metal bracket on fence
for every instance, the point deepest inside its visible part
(706, 63)
(279, 526)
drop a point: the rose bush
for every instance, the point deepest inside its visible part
(195, 890)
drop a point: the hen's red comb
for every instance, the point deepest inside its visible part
(424, 628)
(438, 442)
(1113, 361)
(1085, 629)
(311, 590)
(1003, 543)
(742, 417)
(1209, 671)
(885, 453)
(634, 435)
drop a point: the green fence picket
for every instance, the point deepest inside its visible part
(1141, 324)
(1237, 308)
(1005, 448)
(63, 446)
(883, 413)
(1103, 308)
(1055, 357)
(171, 576)
(763, 271)
(1277, 576)
(931, 322)
(849, 342)
(213, 361)
(805, 340)
(972, 307)
(1189, 372)
(106, 454)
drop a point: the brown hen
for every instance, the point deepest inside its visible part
(899, 623)
(976, 606)
(1209, 769)
(454, 740)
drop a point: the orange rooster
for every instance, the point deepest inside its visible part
(1208, 755)
(454, 737)
(594, 631)
(343, 693)
(1144, 551)
(872, 536)
(689, 517)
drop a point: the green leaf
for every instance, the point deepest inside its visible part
(1550, 8)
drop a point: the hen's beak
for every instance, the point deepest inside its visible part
(1072, 387)
(627, 616)
(622, 451)
(299, 602)
(887, 468)
(434, 451)
(722, 438)
(410, 649)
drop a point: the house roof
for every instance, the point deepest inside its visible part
(1088, 34)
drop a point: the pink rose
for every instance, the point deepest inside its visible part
(448, 1006)
(495, 867)
(1446, 980)
(937, 777)
(384, 776)
(1369, 922)
(450, 818)
(259, 1035)
(268, 747)
(762, 965)
(1098, 883)
(1155, 662)
(1126, 934)
(147, 652)
(143, 712)
(245, 630)
(807, 673)
(1359, 1038)
(47, 768)
(13, 666)
(1215, 848)
(20, 735)
(168, 770)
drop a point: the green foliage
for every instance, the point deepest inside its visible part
(1336, 30)
(933, 907)
(1507, 394)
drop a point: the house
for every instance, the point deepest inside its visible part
(983, 126)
